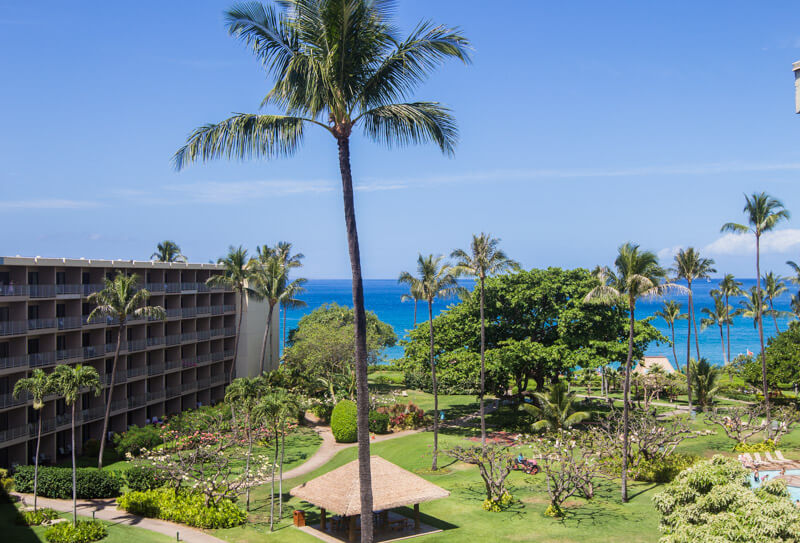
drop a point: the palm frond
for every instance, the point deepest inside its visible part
(398, 125)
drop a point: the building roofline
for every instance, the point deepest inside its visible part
(101, 263)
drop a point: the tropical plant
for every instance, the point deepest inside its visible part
(690, 266)
(484, 259)
(243, 395)
(414, 295)
(435, 279)
(283, 251)
(168, 251)
(763, 213)
(637, 276)
(671, 312)
(718, 316)
(337, 64)
(705, 381)
(70, 381)
(120, 300)
(38, 385)
(729, 287)
(773, 288)
(556, 409)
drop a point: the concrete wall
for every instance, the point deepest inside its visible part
(251, 337)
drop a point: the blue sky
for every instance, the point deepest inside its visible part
(583, 125)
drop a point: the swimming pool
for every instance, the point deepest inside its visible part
(794, 491)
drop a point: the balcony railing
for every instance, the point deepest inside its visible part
(217, 380)
(173, 391)
(137, 401)
(188, 286)
(13, 361)
(8, 328)
(136, 372)
(229, 330)
(155, 396)
(42, 291)
(203, 383)
(217, 309)
(155, 287)
(66, 354)
(205, 358)
(228, 308)
(153, 341)
(92, 288)
(48, 425)
(69, 289)
(94, 413)
(13, 290)
(93, 352)
(13, 433)
(202, 287)
(204, 310)
(119, 405)
(173, 339)
(203, 334)
(155, 369)
(8, 400)
(136, 345)
(172, 287)
(188, 312)
(188, 387)
(188, 336)
(173, 313)
(69, 323)
(41, 324)
(172, 365)
(41, 359)
(189, 362)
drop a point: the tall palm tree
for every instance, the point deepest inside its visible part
(728, 287)
(556, 409)
(121, 299)
(484, 258)
(292, 302)
(70, 382)
(637, 276)
(38, 385)
(337, 64)
(168, 251)
(718, 316)
(690, 266)
(705, 379)
(243, 395)
(283, 250)
(414, 295)
(763, 213)
(234, 276)
(671, 313)
(773, 288)
(435, 279)
(749, 306)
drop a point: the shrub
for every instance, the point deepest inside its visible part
(498, 504)
(183, 507)
(343, 422)
(322, 411)
(57, 482)
(36, 518)
(85, 531)
(378, 422)
(6, 482)
(663, 470)
(141, 478)
(554, 511)
(136, 439)
(405, 416)
(764, 446)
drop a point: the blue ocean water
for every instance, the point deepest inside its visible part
(383, 297)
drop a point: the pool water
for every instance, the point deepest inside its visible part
(794, 491)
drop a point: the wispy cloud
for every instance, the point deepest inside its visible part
(48, 203)
(776, 242)
(667, 253)
(243, 191)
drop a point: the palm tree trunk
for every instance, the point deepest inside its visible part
(696, 335)
(36, 463)
(362, 398)
(266, 337)
(284, 327)
(74, 474)
(272, 489)
(626, 407)
(280, 474)
(435, 391)
(236, 339)
(728, 325)
(761, 334)
(689, 349)
(722, 340)
(110, 394)
(483, 371)
(249, 454)
(774, 318)
(674, 352)
(415, 312)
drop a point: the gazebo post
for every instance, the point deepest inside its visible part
(322, 518)
(351, 529)
(416, 518)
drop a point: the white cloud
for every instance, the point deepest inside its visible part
(667, 253)
(778, 241)
(378, 187)
(243, 191)
(52, 203)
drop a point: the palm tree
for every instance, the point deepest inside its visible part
(750, 306)
(556, 409)
(689, 266)
(414, 295)
(773, 288)
(435, 279)
(283, 250)
(705, 379)
(764, 213)
(69, 382)
(637, 276)
(168, 251)
(671, 313)
(728, 287)
(38, 385)
(243, 395)
(270, 282)
(292, 302)
(338, 64)
(484, 259)
(120, 300)
(718, 316)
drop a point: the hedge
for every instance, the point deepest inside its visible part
(183, 507)
(85, 531)
(378, 422)
(344, 424)
(57, 482)
(141, 478)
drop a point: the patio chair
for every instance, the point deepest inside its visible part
(758, 458)
(780, 457)
(769, 458)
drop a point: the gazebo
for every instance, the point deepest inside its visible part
(339, 491)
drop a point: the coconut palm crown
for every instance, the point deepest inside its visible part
(671, 313)
(556, 409)
(168, 251)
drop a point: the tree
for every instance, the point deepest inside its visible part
(243, 395)
(764, 213)
(69, 382)
(719, 315)
(338, 64)
(773, 288)
(484, 258)
(495, 464)
(740, 422)
(705, 380)
(413, 296)
(638, 275)
(435, 279)
(690, 266)
(38, 385)
(556, 409)
(671, 312)
(783, 356)
(728, 287)
(120, 300)
(168, 251)
(283, 251)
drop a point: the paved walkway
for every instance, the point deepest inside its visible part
(106, 510)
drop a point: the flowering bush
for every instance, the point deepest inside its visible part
(85, 531)
(184, 507)
(498, 504)
(404, 416)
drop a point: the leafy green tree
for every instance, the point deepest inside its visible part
(69, 381)
(705, 381)
(38, 385)
(718, 316)
(485, 258)
(338, 65)
(120, 300)
(773, 288)
(690, 266)
(168, 251)
(671, 313)
(783, 356)
(763, 213)
(435, 279)
(556, 410)
(729, 287)
(243, 395)
(637, 275)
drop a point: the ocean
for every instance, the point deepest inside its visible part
(383, 297)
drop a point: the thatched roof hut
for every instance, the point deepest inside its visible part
(649, 362)
(392, 486)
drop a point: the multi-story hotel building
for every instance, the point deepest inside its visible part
(165, 366)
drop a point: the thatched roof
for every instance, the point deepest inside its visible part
(392, 486)
(649, 362)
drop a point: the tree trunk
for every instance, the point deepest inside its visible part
(674, 352)
(722, 340)
(266, 338)
(74, 473)
(728, 325)
(761, 334)
(483, 371)
(774, 318)
(689, 347)
(280, 474)
(238, 334)
(249, 454)
(284, 327)
(434, 466)
(36, 463)
(110, 394)
(696, 335)
(362, 399)
(272, 489)
(626, 406)
(415, 312)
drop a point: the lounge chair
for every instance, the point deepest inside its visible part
(748, 458)
(769, 458)
(758, 458)
(780, 457)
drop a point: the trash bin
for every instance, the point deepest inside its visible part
(299, 518)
